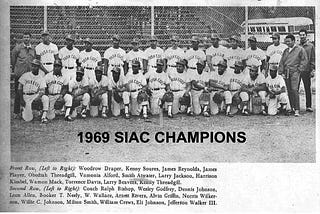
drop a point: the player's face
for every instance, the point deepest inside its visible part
(289, 42)
(79, 77)
(200, 68)
(26, 39)
(273, 73)
(174, 43)
(57, 69)
(303, 36)
(88, 45)
(153, 44)
(135, 69)
(195, 45)
(180, 68)
(215, 42)
(46, 39)
(69, 42)
(233, 43)
(275, 40)
(35, 69)
(159, 68)
(116, 76)
(115, 43)
(253, 44)
(135, 46)
(98, 75)
(221, 69)
(237, 70)
(253, 74)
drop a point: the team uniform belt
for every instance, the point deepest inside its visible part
(233, 90)
(47, 63)
(68, 67)
(115, 65)
(173, 66)
(153, 66)
(156, 89)
(54, 94)
(196, 89)
(176, 90)
(192, 68)
(134, 90)
(88, 68)
(30, 93)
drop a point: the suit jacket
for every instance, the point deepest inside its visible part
(294, 61)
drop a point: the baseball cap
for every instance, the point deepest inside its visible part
(273, 68)
(57, 62)
(175, 38)
(135, 40)
(99, 68)
(195, 39)
(87, 40)
(70, 37)
(116, 37)
(116, 69)
(135, 63)
(181, 62)
(252, 38)
(215, 36)
(254, 68)
(237, 64)
(160, 62)
(80, 70)
(35, 62)
(275, 35)
(201, 62)
(235, 37)
(45, 32)
(153, 38)
(222, 63)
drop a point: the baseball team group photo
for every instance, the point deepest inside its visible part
(102, 69)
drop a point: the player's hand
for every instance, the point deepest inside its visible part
(312, 73)
(23, 103)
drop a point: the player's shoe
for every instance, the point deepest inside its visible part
(190, 113)
(296, 113)
(309, 109)
(68, 118)
(264, 112)
(83, 113)
(145, 117)
(170, 115)
(104, 115)
(206, 114)
(228, 114)
(127, 116)
(245, 112)
(44, 120)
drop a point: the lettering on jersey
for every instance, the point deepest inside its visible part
(235, 57)
(69, 56)
(217, 54)
(156, 79)
(117, 55)
(275, 86)
(94, 59)
(254, 56)
(32, 82)
(279, 52)
(54, 82)
(194, 57)
(152, 56)
(174, 57)
(236, 81)
(46, 51)
(136, 58)
(177, 79)
(134, 81)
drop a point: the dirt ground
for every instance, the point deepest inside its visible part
(269, 139)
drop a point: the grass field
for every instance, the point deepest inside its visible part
(269, 139)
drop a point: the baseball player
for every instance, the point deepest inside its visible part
(276, 92)
(199, 82)
(89, 58)
(193, 55)
(32, 88)
(255, 56)
(234, 53)
(46, 52)
(255, 85)
(180, 86)
(57, 87)
(133, 55)
(152, 53)
(99, 91)
(114, 56)
(134, 81)
(215, 53)
(173, 54)
(116, 85)
(275, 51)
(219, 83)
(237, 83)
(158, 83)
(69, 56)
(79, 93)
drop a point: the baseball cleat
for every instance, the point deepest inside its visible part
(104, 115)
(170, 115)
(264, 113)
(190, 113)
(296, 113)
(68, 118)
(245, 112)
(309, 109)
(229, 115)
(44, 120)
(127, 116)
(206, 114)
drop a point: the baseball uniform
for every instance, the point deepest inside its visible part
(32, 84)
(275, 53)
(178, 84)
(116, 57)
(94, 85)
(193, 56)
(89, 60)
(54, 85)
(200, 79)
(217, 55)
(152, 55)
(223, 79)
(253, 83)
(157, 84)
(134, 55)
(233, 55)
(254, 57)
(46, 53)
(173, 56)
(112, 85)
(68, 59)
(236, 81)
(135, 83)
(275, 85)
